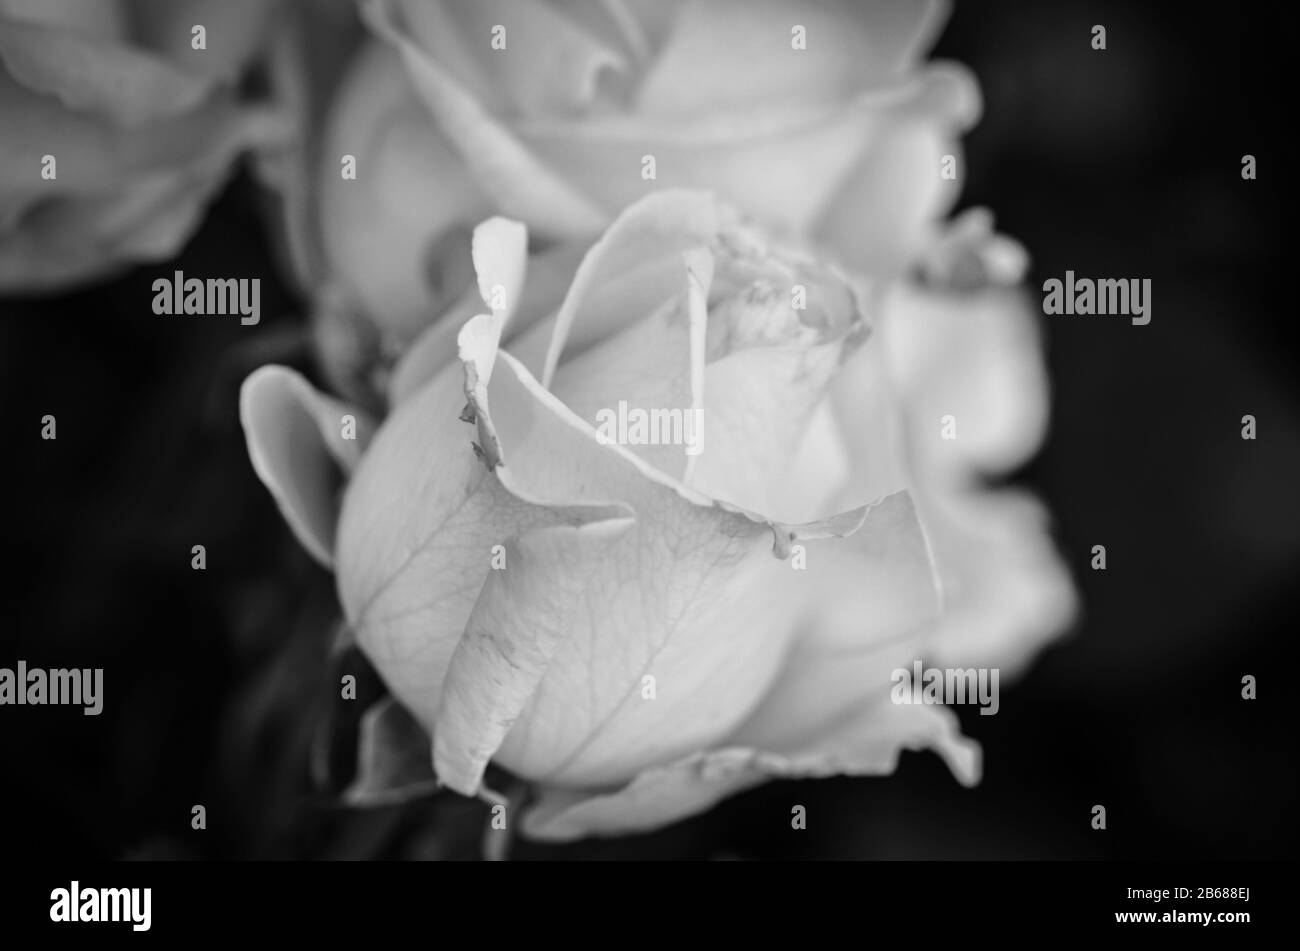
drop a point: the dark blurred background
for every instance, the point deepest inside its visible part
(1122, 163)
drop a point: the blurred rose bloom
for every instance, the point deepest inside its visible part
(639, 632)
(142, 128)
(841, 141)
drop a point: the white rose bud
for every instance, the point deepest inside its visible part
(516, 566)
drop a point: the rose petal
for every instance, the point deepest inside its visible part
(645, 241)
(870, 603)
(94, 155)
(306, 50)
(772, 445)
(978, 358)
(420, 500)
(660, 626)
(66, 240)
(758, 408)
(234, 30)
(973, 354)
(666, 630)
(93, 18)
(459, 36)
(651, 21)
(969, 254)
(397, 235)
(614, 22)
(500, 253)
(851, 46)
(296, 442)
(539, 423)
(898, 180)
(826, 151)
(521, 186)
(549, 276)
(64, 237)
(522, 614)
(653, 366)
(865, 745)
(699, 279)
(129, 88)
(863, 410)
(1006, 593)
(393, 762)
(419, 520)
(814, 147)
(408, 587)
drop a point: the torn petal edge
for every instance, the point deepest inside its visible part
(479, 354)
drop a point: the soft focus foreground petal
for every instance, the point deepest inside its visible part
(866, 744)
(302, 447)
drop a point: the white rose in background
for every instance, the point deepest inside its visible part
(140, 129)
(621, 563)
(820, 119)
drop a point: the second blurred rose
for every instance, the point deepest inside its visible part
(122, 120)
(822, 120)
